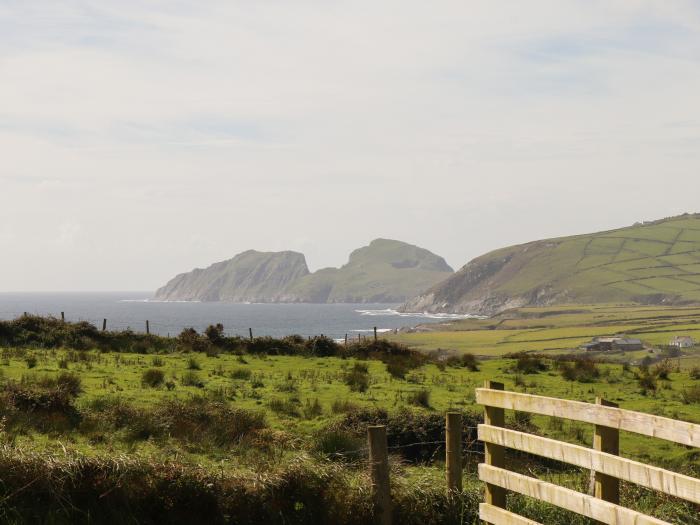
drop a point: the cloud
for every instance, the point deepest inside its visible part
(139, 126)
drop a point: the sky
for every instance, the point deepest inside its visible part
(140, 139)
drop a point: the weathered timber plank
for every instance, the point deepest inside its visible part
(498, 516)
(568, 499)
(647, 476)
(646, 424)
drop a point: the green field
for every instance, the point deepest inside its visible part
(560, 329)
(264, 437)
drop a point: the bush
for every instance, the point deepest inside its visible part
(152, 378)
(190, 378)
(647, 382)
(530, 364)
(420, 398)
(357, 378)
(663, 369)
(339, 445)
(694, 372)
(193, 364)
(31, 361)
(581, 370)
(691, 395)
(157, 361)
(283, 406)
(397, 368)
(241, 373)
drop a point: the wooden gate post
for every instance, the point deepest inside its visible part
(379, 470)
(494, 454)
(148, 327)
(250, 332)
(453, 451)
(104, 324)
(375, 334)
(606, 439)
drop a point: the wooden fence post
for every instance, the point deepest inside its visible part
(494, 454)
(63, 317)
(375, 334)
(606, 439)
(148, 327)
(346, 339)
(379, 470)
(453, 451)
(250, 332)
(104, 324)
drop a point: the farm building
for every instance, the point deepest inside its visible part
(618, 342)
(682, 341)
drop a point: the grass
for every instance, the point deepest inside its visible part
(555, 330)
(286, 433)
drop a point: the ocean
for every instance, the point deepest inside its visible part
(132, 309)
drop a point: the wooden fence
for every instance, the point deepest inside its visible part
(603, 460)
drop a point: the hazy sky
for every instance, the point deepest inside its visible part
(140, 139)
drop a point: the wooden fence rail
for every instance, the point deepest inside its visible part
(603, 459)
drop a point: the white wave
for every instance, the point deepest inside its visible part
(379, 330)
(426, 315)
(153, 301)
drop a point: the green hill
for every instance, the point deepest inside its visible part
(385, 271)
(651, 263)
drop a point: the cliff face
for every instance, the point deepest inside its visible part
(385, 271)
(249, 277)
(650, 263)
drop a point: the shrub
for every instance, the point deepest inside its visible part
(581, 370)
(663, 369)
(647, 382)
(691, 395)
(215, 334)
(193, 364)
(397, 368)
(339, 445)
(190, 378)
(420, 398)
(152, 377)
(241, 373)
(694, 372)
(530, 364)
(31, 361)
(357, 378)
(157, 361)
(470, 362)
(341, 406)
(283, 406)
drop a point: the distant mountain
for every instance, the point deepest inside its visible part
(650, 263)
(385, 271)
(250, 276)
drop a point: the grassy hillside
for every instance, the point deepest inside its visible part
(650, 263)
(386, 271)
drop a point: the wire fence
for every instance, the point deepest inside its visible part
(172, 329)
